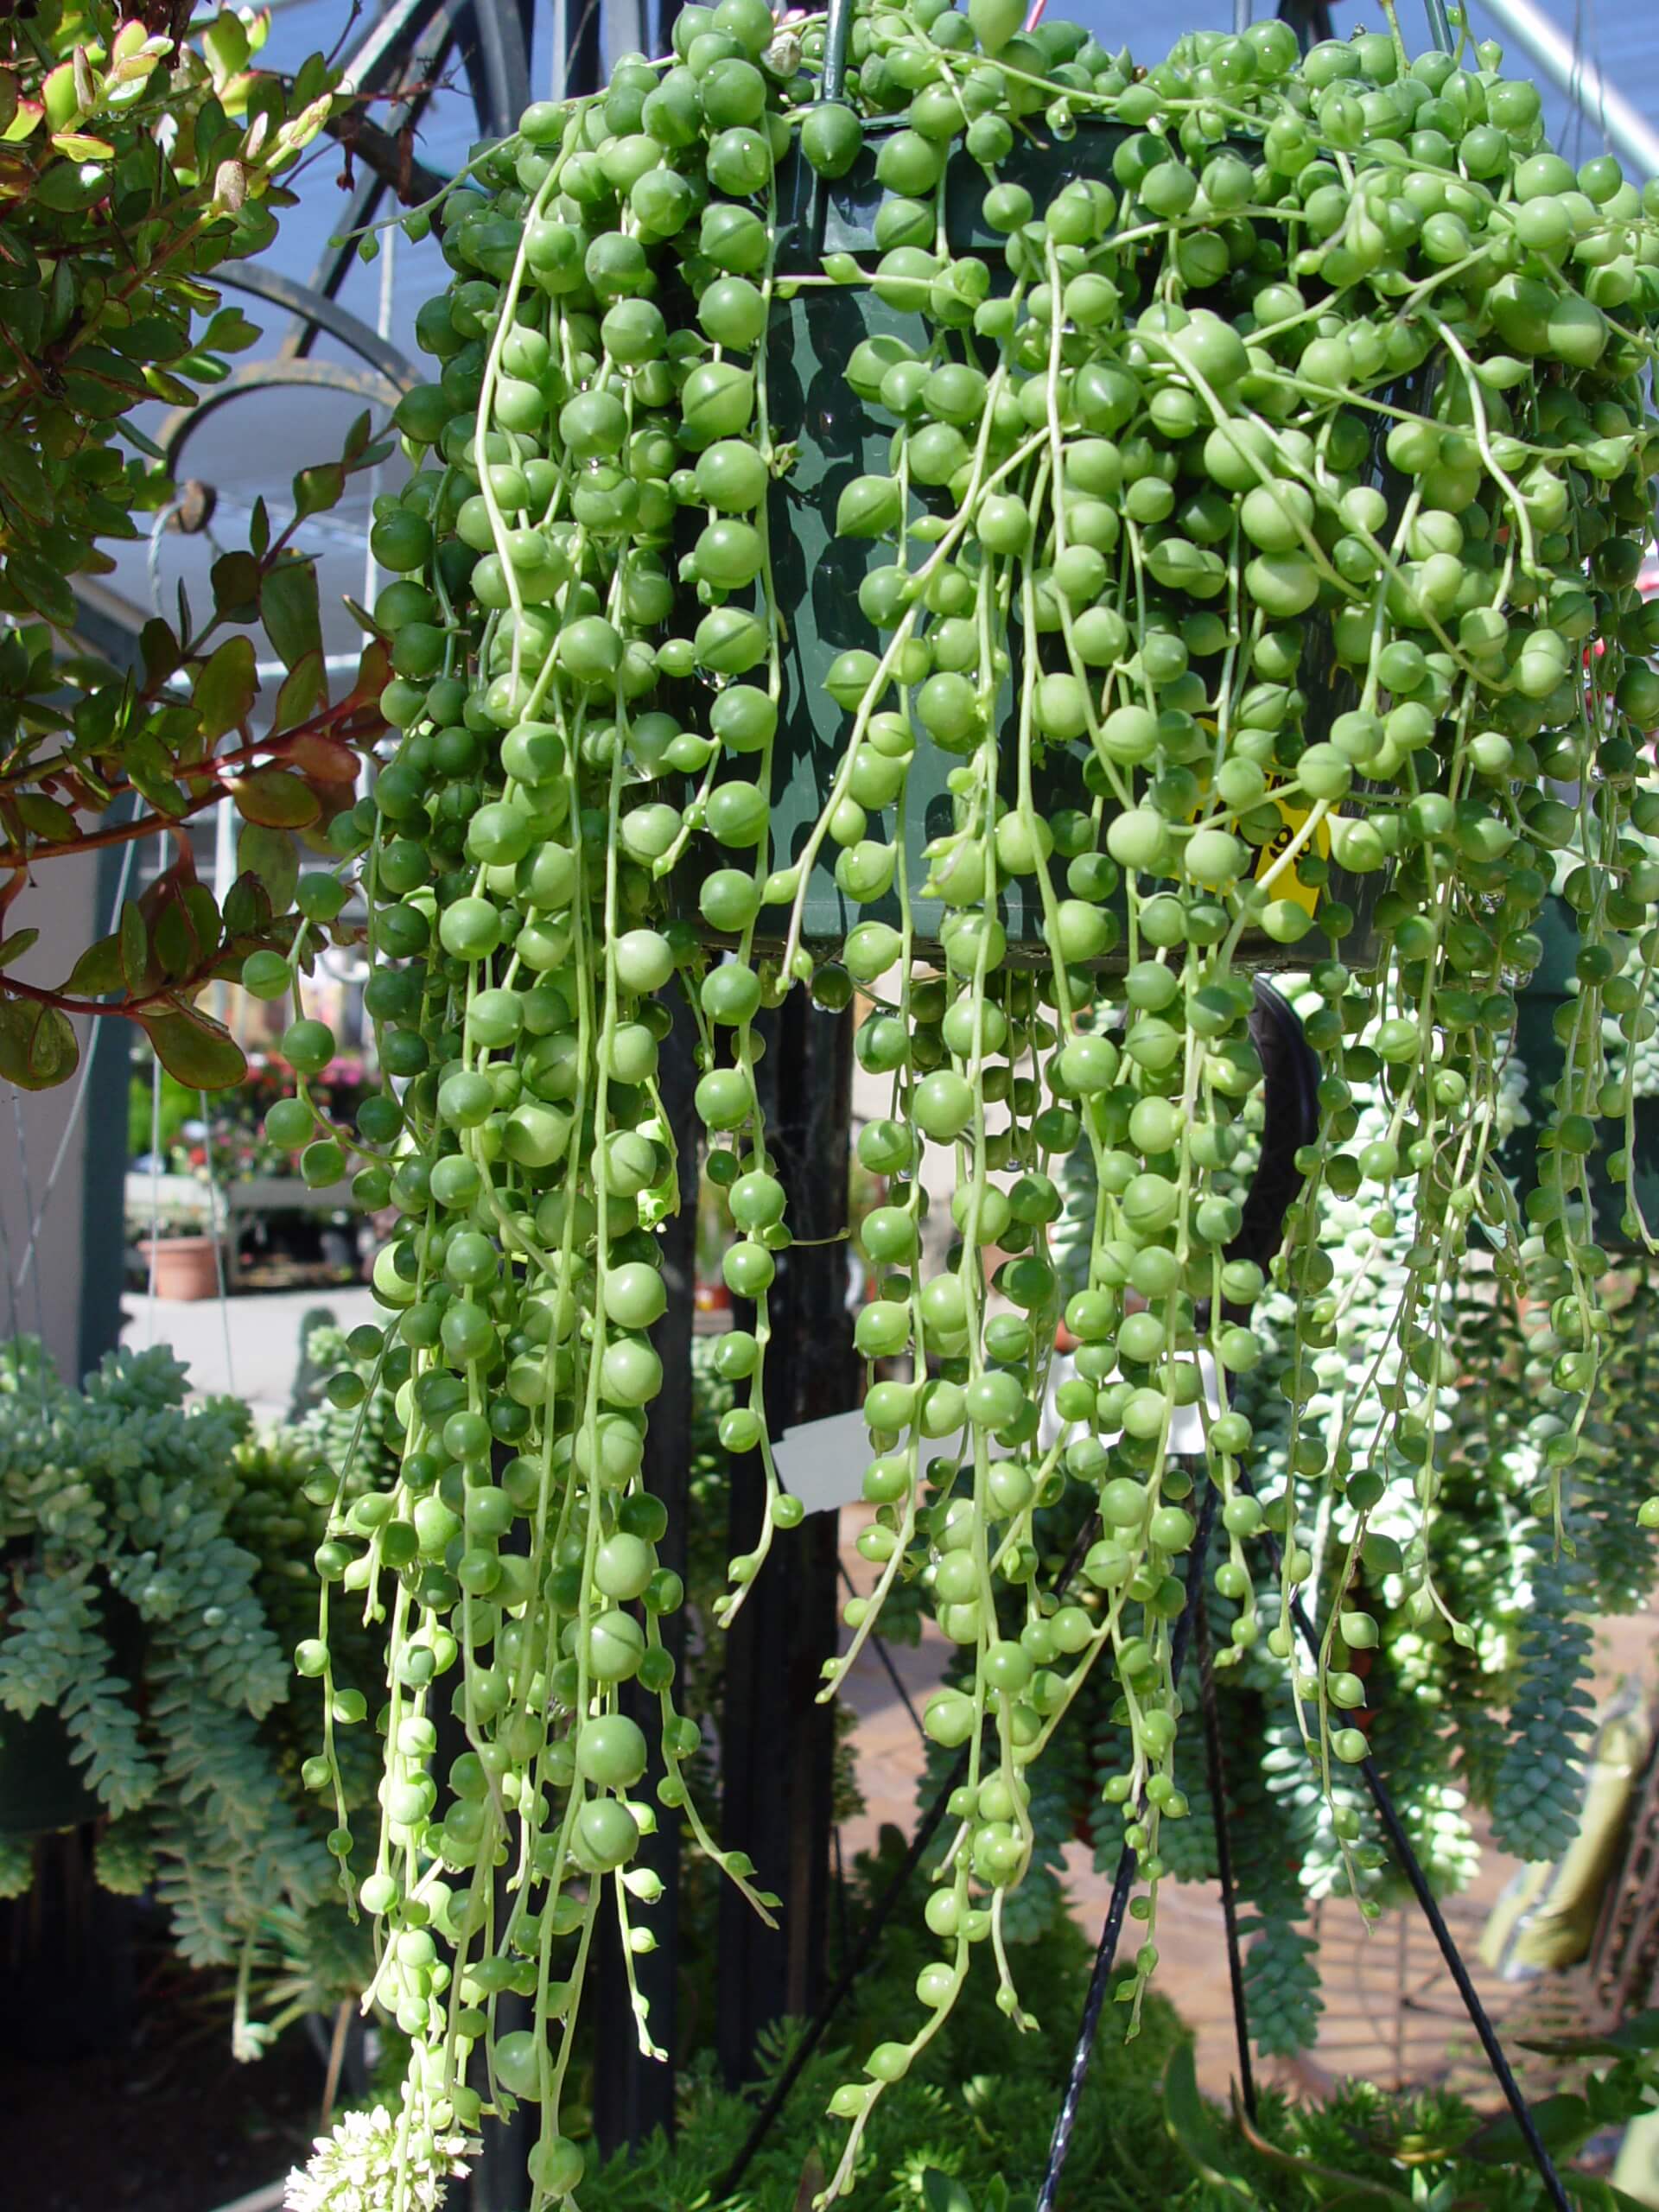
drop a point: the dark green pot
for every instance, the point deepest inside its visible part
(1541, 1054)
(816, 575)
(40, 1787)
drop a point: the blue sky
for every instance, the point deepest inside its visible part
(1623, 36)
(253, 446)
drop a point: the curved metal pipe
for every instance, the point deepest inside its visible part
(260, 376)
(339, 322)
(1633, 138)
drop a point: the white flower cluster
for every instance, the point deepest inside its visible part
(356, 2168)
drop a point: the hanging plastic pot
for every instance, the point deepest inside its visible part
(41, 1788)
(1541, 1052)
(816, 573)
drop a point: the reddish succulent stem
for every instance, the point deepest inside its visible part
(331, 722)
(129, 1009)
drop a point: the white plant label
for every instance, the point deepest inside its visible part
(822, 1462)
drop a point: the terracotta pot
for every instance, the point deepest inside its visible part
(184, 1266)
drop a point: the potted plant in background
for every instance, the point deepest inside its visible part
(176, 1225)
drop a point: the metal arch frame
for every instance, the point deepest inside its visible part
(401, 53)
(326, 318)
(266, 376)
(404, 50)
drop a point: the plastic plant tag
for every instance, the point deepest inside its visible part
(822, 1462)
(1187, 1423)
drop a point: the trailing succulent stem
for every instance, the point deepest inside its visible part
(1267, 442)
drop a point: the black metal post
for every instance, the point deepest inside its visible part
(584, 68)
(633, 2094)
(1309, 19)
(777, 1741)
(857, 1956)
(494, 39)
(499, 2181)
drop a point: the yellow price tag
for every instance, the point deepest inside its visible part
(1291, 818)
(1289, 885)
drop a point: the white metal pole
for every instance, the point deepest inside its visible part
(1630, 133)
(224, 877)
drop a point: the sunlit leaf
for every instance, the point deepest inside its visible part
(317, 490)
(228, 333)
(226, 688)
(275, 798)
(200, 1053)
(37, 1044)
(78, 146)
(226, 43)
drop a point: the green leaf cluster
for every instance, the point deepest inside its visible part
(134, 164)
(132, 168)
(970, 2122)
(154, 1576)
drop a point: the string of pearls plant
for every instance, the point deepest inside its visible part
(1251, 504)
